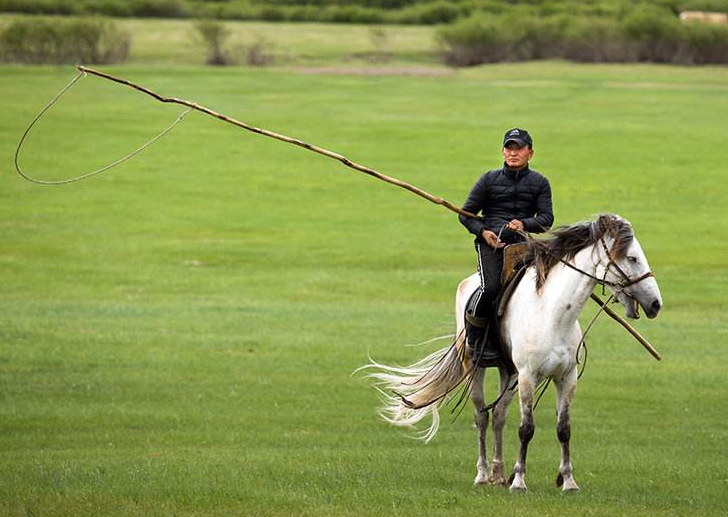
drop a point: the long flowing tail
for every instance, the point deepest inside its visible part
(413, 392)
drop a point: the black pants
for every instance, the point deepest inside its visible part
(490, 265)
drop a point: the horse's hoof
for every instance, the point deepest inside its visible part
(497, 475)
(567, 484)
(517, 489)
(518, 484)
(497, 480)
(570, 488)
(481, 479)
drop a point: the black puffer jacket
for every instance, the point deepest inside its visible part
(505, 194)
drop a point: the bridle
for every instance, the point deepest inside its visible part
(619, 286)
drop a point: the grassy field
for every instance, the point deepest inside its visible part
(177, 335)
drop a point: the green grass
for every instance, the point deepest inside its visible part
(177, 335)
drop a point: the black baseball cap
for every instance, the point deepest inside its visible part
(519, 136)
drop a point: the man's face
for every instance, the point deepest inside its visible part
(516, 157)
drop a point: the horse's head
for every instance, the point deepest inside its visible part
(628, 272)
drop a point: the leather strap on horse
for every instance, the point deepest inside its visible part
(603, 281)
(476, 321)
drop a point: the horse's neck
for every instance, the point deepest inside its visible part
(568, 290)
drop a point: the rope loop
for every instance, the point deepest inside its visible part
(97, 171)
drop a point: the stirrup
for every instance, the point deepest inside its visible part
(486, 357)
(481, 354)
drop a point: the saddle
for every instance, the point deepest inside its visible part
(514, 262)
(513, 270)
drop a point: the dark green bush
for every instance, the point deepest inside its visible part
(271, 13)
(654, 36)
(511, 37)
(646, 34)
(701, 5)
(214, 36)
(158, 8)
(706, 44)
(66, 7)
(119, 8)
(259, 52)
(63, 40)
(305, 13)
(386, 4)
(440, 11)
(664, 39)
(230, 11)
(141, 8)
(492, 7)
(595, 40)
(476, 40)
(535, 37)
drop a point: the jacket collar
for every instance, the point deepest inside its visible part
(515, 173)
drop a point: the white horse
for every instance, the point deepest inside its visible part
(540, 329)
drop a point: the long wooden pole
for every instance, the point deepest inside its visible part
(343, 159)
(616, 317)
(283, 138)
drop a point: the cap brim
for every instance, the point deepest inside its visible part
(521, 143)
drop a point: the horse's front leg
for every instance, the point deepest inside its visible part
(565, 389)
(500, 411)
(477, 395)
(526, 386)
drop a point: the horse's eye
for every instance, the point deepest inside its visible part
(633, 260)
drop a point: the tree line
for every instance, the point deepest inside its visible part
(495, 31)
(355, 11)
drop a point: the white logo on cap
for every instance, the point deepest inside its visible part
(514, 132)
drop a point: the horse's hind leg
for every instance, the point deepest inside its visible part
(477, 395)
(525, 432)
(497, 475)
(564, 395)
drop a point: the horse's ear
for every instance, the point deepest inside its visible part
(605, 221)
(598, 227)
(607, 224)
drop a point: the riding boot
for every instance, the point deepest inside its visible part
(476, 334)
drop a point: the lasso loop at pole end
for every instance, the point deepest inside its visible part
(82, 73)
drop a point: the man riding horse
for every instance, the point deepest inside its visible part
(512, 199)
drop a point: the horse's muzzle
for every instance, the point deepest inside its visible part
(652, 309)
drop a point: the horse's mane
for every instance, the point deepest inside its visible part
(567, 241)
